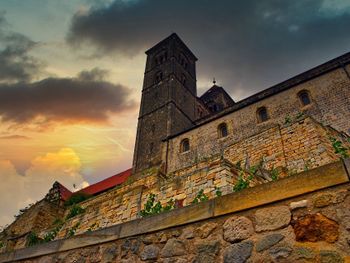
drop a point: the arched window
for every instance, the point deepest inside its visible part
(185, 145)
(304, 97)
(222, 130)
(262, 114)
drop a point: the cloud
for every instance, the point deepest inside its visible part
(17, 191)
(84, 99)
(246, 45)
(16, 63)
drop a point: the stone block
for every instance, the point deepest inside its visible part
(206, 229)
(149, 252)
(238, 253)
(298, 204)
(280, 252)
(172, 248)
(328, 256)
(268, 241)
(272, 218)
(236, 229)
(314, 228)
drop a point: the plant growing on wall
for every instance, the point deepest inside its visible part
(94, 226)
(299, 116)
(287, 120)
(169, 205)
(274, 174)
(242, 183)
(74, 211)
(2, 244)
(307, 165)
(76, 198)
(71, 231)
(200, 197)
(339, 148)
(152, 207)
(218, 192)
(33, 239)
(51, 235)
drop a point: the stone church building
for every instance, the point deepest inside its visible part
(192, 148)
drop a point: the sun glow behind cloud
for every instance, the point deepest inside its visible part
(19, 190)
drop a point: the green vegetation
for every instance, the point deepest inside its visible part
(299, 116)
(339, 148)
(200, 197)
(71, 231)
(74, 211)
(33, 239)
(152, 207)
(76, 199)
(94, 226)
(307, 166)
(287, 120)
(258, 170)
(242, 183)
(51, 235)
(218, 192)
(2, 245)
(274, 174)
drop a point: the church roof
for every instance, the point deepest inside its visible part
(213, 91)
(96, 188)
(64, 192)
(107, 183)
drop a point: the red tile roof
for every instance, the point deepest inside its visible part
(64, 192)
(107, 183)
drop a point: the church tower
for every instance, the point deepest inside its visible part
(168, 103)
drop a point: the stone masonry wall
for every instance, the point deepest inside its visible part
(124, 204)
(281, 225)
(302, 144)
(38, 217)
(330, 96)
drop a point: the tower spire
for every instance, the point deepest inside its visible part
(214, 81)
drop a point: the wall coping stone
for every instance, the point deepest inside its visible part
(316, 179)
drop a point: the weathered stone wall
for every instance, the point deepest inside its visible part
(291, 149)
(38, 217)
(124, 204)
(301, 218)
(299, 145)
(330, 96)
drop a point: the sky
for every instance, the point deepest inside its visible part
(71, 74)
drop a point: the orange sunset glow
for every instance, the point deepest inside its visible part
(71, 74)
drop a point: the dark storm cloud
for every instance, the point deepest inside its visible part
(247, 45)
(67, 100)
(16, 64)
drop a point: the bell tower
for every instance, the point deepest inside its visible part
(168, 101)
